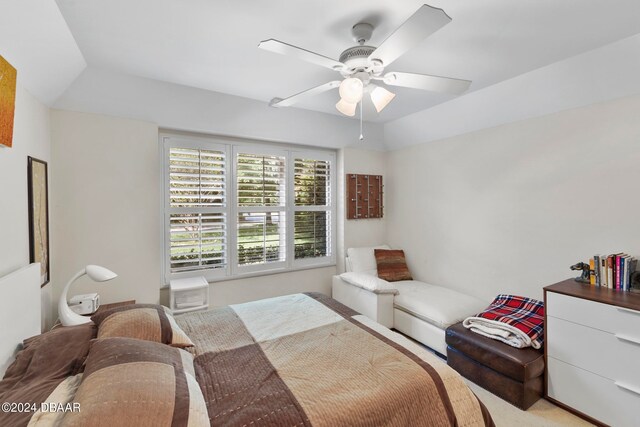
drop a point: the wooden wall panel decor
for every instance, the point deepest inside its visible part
(364, 196)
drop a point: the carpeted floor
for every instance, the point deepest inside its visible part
(542, 414)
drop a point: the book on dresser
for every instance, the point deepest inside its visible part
(592, 345)
(612, 271)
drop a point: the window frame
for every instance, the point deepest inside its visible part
(236, 269)
(168, 142)
(231, 147)
(330, 208)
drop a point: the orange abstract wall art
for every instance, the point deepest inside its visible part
(7, 101)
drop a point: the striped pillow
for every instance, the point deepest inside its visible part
(392, 266)
(138, 383)
(142, 321)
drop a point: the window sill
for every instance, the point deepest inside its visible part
(263, 273)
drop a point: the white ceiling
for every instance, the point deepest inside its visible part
(36, 41)
(212, 44)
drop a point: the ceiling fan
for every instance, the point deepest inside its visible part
(362, 65)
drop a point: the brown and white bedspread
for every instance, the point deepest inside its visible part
(305, 359)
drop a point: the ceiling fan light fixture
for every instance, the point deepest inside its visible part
(381, 97)
(346, 108)
(351, 90)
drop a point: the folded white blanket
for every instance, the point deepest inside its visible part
(369, 282)
(499, 331)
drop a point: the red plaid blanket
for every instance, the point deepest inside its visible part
(515, 320)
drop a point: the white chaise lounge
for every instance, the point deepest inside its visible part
(417, 309)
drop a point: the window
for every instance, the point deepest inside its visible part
(196, 212)
(275, 214)
(312, 217)
(261, 203)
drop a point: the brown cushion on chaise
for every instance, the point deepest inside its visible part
(392, 265)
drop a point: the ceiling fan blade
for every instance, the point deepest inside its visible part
(426, 21)
(276, 102)
(426, 82)
(286, 49)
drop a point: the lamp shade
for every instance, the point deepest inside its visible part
(381, 97)
(347, 108)
(99, 274)
(351, 90)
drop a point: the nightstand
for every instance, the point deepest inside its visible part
(100, 309)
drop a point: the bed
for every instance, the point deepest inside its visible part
(296, 360)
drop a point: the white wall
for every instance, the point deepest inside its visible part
(30, 138)
(359, 232)
(508, 209)
(254, 288)
(178, 107)
(602, 74)
(107, 211)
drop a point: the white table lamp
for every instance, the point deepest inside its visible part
(67, 316)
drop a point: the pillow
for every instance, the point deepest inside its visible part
(392, 266)
(134, 382)
(369, 282)
(45, 367)
(148, 322)
(362, 260)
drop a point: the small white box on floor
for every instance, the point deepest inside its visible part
(189, 294)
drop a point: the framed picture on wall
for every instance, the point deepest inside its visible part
(39, 217)
(7, 101)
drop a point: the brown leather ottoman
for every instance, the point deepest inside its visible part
(516, 375)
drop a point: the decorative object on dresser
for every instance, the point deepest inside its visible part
(592, 346)
(364, 196)
(190, 294)
(38, 197)
(584, 267)
(96, 273)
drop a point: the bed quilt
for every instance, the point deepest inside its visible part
(307, 360)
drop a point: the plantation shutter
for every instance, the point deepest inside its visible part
(197, 201)
(312, 222)
(261, 204)
(235, 209)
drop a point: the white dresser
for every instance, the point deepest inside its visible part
(592, 347)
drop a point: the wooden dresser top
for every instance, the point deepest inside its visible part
(604, 295)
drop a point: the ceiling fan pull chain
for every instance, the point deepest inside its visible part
(361, 135)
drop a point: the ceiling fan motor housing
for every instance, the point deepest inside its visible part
(356, 59)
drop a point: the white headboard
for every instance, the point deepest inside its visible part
(20, 311)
